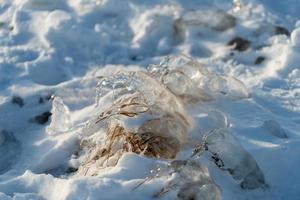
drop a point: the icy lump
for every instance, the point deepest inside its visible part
(60, 120)
(191, 81)
(229, 155)
(191, 180)
(145, 113)
(140, 119)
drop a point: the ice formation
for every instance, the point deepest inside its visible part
(147, 114)
(229, 155)
(60, 120)
(191, 180)
(144, 117)
(192, 81)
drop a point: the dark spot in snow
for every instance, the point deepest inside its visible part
(18, 100)
(41, 100)
(42, 118)
(71, 170)
(223, 92)
(259, 60)
(2, 24)
(279, 30)
(45, 98)
(231, 171)
(136, 58)
(239, 44)
(133, 58)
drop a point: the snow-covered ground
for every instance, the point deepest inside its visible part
(63, 48)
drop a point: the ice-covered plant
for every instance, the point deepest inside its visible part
(146, 113)
(192, 81)
(144, 117)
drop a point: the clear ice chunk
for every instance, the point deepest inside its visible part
(191, 81)
(228, 154)
(207, 119)
(135, 93)
(142, 116)
(60, 119)
(145, 112)
(191, 180)
(128, 83)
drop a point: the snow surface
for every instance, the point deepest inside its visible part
(60, 47)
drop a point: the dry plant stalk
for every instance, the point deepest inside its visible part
(151, 139)
(119, 141)
(144, 118)
(130, 107)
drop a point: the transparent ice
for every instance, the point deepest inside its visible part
(228, 154)
(191, 179)
(192, 81)
(60, 119)
(154, 103)
(135, 93)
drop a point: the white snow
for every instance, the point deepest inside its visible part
(65, 47)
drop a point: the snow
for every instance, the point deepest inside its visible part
(63, 48)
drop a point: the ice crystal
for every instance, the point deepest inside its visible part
(61, 120)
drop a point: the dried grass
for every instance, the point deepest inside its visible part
(159, 137)
(129, 107)
(119, 141)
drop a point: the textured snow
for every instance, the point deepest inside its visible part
(63, 48)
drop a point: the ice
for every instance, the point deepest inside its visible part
(9, 150)
(196, 181)
(61, 119)
(138, 113)
(143, 117)
(192, 81)
(295, 37)
(137, 92)
(228, 154)
(192, 180)
(209, 119)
